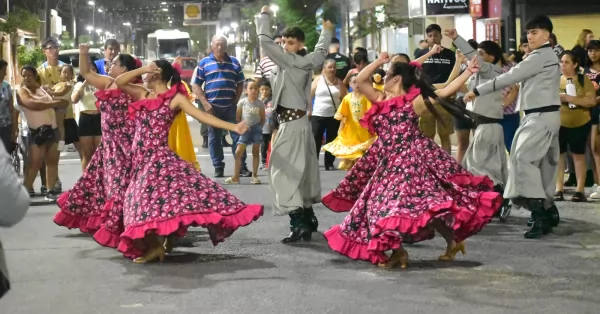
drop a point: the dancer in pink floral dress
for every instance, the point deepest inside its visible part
(167, 194)
(94, 204)
(406, 186)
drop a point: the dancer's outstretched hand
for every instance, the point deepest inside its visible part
(384, 57)
(452, 33)
(328, 25)
(84, 48)
(241, 128)
(152, 67)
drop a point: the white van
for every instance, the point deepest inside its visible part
(71, 56)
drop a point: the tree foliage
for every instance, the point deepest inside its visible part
(33, 57)
(372, 21)
(20, 18)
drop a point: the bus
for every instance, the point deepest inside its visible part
(168, 44)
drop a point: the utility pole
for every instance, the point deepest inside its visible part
(47, 19)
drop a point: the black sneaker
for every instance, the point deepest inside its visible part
(58, 187)
(43, 190)
(245, 173)
(52, 196)
(219, 172)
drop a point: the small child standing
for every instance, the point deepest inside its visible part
(252, 111)
(267, 130)
(67, 126)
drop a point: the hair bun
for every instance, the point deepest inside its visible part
(377, 78)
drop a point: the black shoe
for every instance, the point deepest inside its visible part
(540, 226)
(245, 173)
(205, 142)
(43, 190)
(571, 180)
(553, 216)
(505, 210)
(219, 172)
(58, 187)
(311, 219)
(298, 227)
(589, 179)
(329, 167)
(52, 196)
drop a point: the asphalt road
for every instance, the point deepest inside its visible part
(57, 271)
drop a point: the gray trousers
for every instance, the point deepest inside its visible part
(534, 158)
(486, 154)
(294, 176)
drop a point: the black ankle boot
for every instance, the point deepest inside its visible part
(553, 216)
(311, 219)
(299, 229)
(504, 210)
(540, 225)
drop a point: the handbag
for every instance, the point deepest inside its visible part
(43, 135)
(330, 94)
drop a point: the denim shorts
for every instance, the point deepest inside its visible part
(253, 136)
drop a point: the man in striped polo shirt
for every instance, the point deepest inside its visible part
(218, 83)
(266, 65)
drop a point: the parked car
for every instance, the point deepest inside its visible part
(71, 56)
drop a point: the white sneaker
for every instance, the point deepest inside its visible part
(596, 194)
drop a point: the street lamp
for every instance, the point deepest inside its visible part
(126, 24)
(274, 8)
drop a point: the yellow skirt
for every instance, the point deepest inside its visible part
(180, 140)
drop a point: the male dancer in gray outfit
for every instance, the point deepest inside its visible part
(535, 149)
(293, 165)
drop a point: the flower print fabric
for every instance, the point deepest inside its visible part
(95, 203)
(402, 183)
(167, 194)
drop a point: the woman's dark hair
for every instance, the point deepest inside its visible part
(573, 57)
(30, 68)
(167, 72)
(412, 75)
(493, 49)
(127, 61)
(3, 64)
(360, 57)
(361, 49)
(93, 67)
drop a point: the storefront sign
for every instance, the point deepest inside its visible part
(446, 7)
(476, 8)
(494, 8)
(192, 13)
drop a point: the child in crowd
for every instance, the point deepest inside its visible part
(63, 90)
(267, 131)
(252, 111)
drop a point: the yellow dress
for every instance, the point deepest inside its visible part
(353, 140)
(180, 138)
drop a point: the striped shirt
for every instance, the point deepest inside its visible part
(264, 68)
(220, 79)
(512, 108)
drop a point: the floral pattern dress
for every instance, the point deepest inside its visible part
(167, 194)
(94, 204)
(402, 183)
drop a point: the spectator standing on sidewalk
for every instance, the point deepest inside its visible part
(218, 83)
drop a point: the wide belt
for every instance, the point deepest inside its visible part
(542, 109)
(479, 120)
(287, 115)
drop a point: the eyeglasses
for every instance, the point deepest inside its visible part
(52, 48)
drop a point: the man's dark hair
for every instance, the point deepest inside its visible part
(539, 22)
(334, 40)
(361, 49)
(3, 64)
(50, 41)
(111, 43)
(293, 32)
(422, 41)
(277, 36)
(433, 27)
(473, 43)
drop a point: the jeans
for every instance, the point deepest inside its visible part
(215, 144)
(510, 124)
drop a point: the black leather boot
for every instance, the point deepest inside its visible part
(504, 210)
(299, 229)
(552, 216)
(540, 225)
(311, 219)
